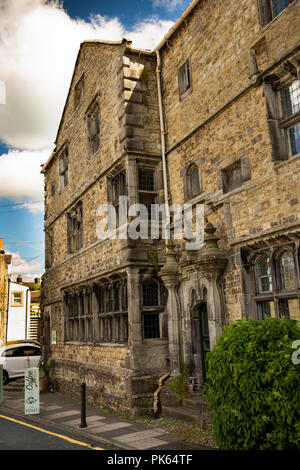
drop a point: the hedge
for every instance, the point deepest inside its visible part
(253, 387)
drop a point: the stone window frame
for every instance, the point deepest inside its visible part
(146, 196)
(63, 167)
(75, 228)
(289, 120)
(228, 163)
(93, 114)
(267, 12)
(117, 186)
(186, 173)
(79, 92)
(157, 309)
(277, 298)
(278, 121)
(184, 73)
(91, 318)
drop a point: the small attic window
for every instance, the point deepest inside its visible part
(79, 91)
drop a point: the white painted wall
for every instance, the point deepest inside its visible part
(18, 321)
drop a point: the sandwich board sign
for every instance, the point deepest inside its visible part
(1, 383)
(32, 391)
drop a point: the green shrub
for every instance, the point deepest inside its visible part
(180, 385)
(253, 387)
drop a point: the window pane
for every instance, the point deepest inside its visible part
(146, 180)
(287, 272)
(278, 6)
(290, 309)
(267, 310)
(294, 139)
(263, 270)
(150, 293)
(17, 298)
(151, 325)
(184, 78)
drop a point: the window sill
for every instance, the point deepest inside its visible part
(96, 343)
(91, 157)
(280, 163)
(270, 24)
(155, 340)
(290, 120)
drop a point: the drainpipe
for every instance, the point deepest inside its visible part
(162, 136)
(155, 404)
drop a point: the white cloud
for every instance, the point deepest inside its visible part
(39, 43)
(20, 178)
(31, 268)
(169, 5)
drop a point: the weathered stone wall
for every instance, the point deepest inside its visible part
(130, 133)
(229, 123)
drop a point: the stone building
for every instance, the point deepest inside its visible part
(211, 117)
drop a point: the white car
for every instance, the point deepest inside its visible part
(16, 356)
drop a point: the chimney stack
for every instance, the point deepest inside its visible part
(19, 278)
(1, 246)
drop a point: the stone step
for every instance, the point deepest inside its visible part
(194, 403)
(185, 414)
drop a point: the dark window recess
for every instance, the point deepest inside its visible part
(93, 126)
(116, 189)
(232, 177)
(75, 228)
(269, 9)
(150, 294)
(184, 79)
(146, 188)
(193, 182)
(146, 180)
(79, 91)
(63, 169)
(264, 275)
(151, 325)
(267, 310)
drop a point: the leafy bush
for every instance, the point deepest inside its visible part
(253, 387)
(180, 384)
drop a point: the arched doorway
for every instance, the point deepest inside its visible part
(200, 340)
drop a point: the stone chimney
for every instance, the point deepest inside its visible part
(1, 246)
(19, 278)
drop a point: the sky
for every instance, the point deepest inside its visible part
(39, 42)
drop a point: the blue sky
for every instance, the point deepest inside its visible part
(37, 39)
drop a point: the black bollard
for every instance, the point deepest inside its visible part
(83, 407)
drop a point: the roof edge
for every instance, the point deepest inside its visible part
(174, 28)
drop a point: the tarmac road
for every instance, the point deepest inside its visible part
(19, 434)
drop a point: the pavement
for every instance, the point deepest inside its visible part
(114, 432)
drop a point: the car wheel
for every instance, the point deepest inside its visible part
(5, 377)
